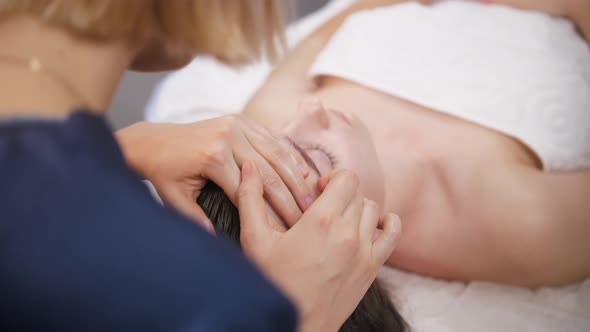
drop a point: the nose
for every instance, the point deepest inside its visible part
(311, 109)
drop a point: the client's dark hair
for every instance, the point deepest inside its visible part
(375, 312)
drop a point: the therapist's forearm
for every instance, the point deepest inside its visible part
(126, 138)
(581, 17)
(134, 141)
(584, 25)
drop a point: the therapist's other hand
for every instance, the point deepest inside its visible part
(328, 260)
(179, 159)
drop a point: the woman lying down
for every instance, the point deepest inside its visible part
(476, 131)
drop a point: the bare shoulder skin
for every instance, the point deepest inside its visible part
(474, 203)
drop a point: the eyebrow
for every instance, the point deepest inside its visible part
(305, 156)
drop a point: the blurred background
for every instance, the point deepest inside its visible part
(135, 89)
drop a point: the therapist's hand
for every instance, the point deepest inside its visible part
(328, 260)
(179, 158)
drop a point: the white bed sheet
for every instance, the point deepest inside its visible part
(208, 89)
(432, 305)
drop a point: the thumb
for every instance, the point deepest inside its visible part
(387, 238)
(253, 223)
(322, 182)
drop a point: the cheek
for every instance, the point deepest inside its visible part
(360, 157)
(371, 178)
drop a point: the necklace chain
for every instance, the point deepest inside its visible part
(35, 66)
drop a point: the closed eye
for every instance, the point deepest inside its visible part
(328, 154)
(305, 157)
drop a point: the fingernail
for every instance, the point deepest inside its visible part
(370, 202)
(308, 202)
(247, 168)
(208, 226)
(396, 224)
(322, 183)
(304, 169)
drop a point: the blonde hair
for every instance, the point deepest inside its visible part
(235, 31)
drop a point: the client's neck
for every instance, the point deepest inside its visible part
(404, 182)
(46, 71)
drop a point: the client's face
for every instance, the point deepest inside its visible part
(331, 140)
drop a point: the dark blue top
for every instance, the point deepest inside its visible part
(84, 247)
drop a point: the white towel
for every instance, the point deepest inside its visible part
(524, 74)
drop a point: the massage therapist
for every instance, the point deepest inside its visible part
(83, 245)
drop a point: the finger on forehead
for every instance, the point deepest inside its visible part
(251, 206)
(302, 164)
(279, 157)
(275, 191)
(227, 176)
(279, 196)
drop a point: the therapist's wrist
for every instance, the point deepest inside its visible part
(135, 143)
(125, 137)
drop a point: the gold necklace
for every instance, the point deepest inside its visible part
(35, 66)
